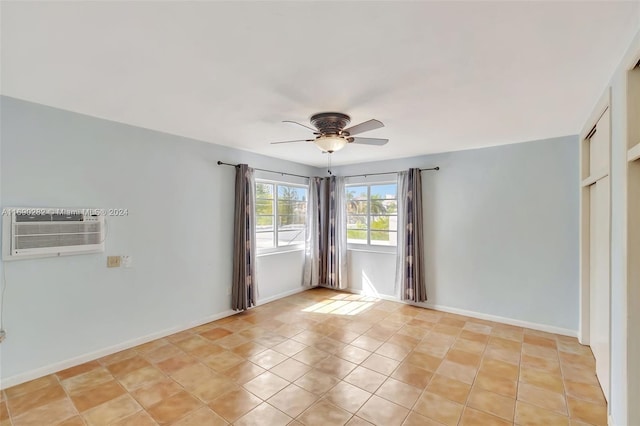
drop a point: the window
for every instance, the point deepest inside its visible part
(281, 213)
(372, 214)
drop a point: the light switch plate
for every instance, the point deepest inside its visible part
(113, 261)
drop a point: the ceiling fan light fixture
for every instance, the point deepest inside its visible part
(331, 133)
(331, 143)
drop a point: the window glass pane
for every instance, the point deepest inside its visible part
(383, 238)
(289, 216)
(357, 236)
(290, 220)
(380, 228)
(378, 206)
(264, 190)
(287, 207)
(356, 222)
(292, 193)
(292, 213)
(264, 223)
(291, 227)
(291, 235)
(390, 206)
(264, 240)
(357, 229)
(356, 193)
(389, 190)
(384, 223)
(264, 206)
(357, 207)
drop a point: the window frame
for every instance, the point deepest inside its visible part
(368, 246)
(278, 248)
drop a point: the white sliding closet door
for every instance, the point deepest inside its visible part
(600, 283)
(599, 251)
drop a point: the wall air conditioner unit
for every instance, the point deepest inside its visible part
(43, 232)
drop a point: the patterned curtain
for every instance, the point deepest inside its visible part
(244, 291)
(409, 263)
(315, 256)
(336, 234)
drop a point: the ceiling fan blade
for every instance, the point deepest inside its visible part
(364, 127)
(297, 140)
(370, 141)
(300, 124)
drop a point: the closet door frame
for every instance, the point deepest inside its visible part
(632, 234)
(587, 178)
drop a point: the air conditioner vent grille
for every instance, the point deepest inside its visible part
(49, 217)
(43, 241)
(55, 228)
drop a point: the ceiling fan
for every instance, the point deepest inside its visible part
(331, 135)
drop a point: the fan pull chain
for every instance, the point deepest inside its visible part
(329, 163)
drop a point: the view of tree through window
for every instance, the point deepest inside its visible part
(281, 212)
(372, 214)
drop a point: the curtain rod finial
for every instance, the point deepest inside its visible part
(437, 167)
(219, 163)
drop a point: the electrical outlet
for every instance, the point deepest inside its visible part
(127, 261)
(113, 261)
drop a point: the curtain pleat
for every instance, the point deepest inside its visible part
(323, 236)
(244, 290)
(314, 253)
(336, 234)
(410, 258)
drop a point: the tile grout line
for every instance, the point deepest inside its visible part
(465, 405)
(515, 404)
(323, 329)
(70, 399)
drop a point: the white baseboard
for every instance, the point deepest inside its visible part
(68, 363)
(479, 315)
(281, 295)
(57, 366)
(503, 320)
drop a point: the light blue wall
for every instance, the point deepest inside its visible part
(179, 231)
(501, 230)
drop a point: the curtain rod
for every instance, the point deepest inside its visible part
(389, 173)
(221, 163)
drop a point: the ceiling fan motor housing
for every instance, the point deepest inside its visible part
(330, 123)
(332, 133)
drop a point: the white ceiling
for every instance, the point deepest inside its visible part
(442, 76)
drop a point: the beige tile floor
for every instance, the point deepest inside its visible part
(326, 358)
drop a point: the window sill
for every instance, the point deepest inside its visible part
(281, 251)
(368, 249)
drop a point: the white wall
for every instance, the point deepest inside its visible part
(179, 231)
(279, 274)
(501, 232)
(371, 272)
